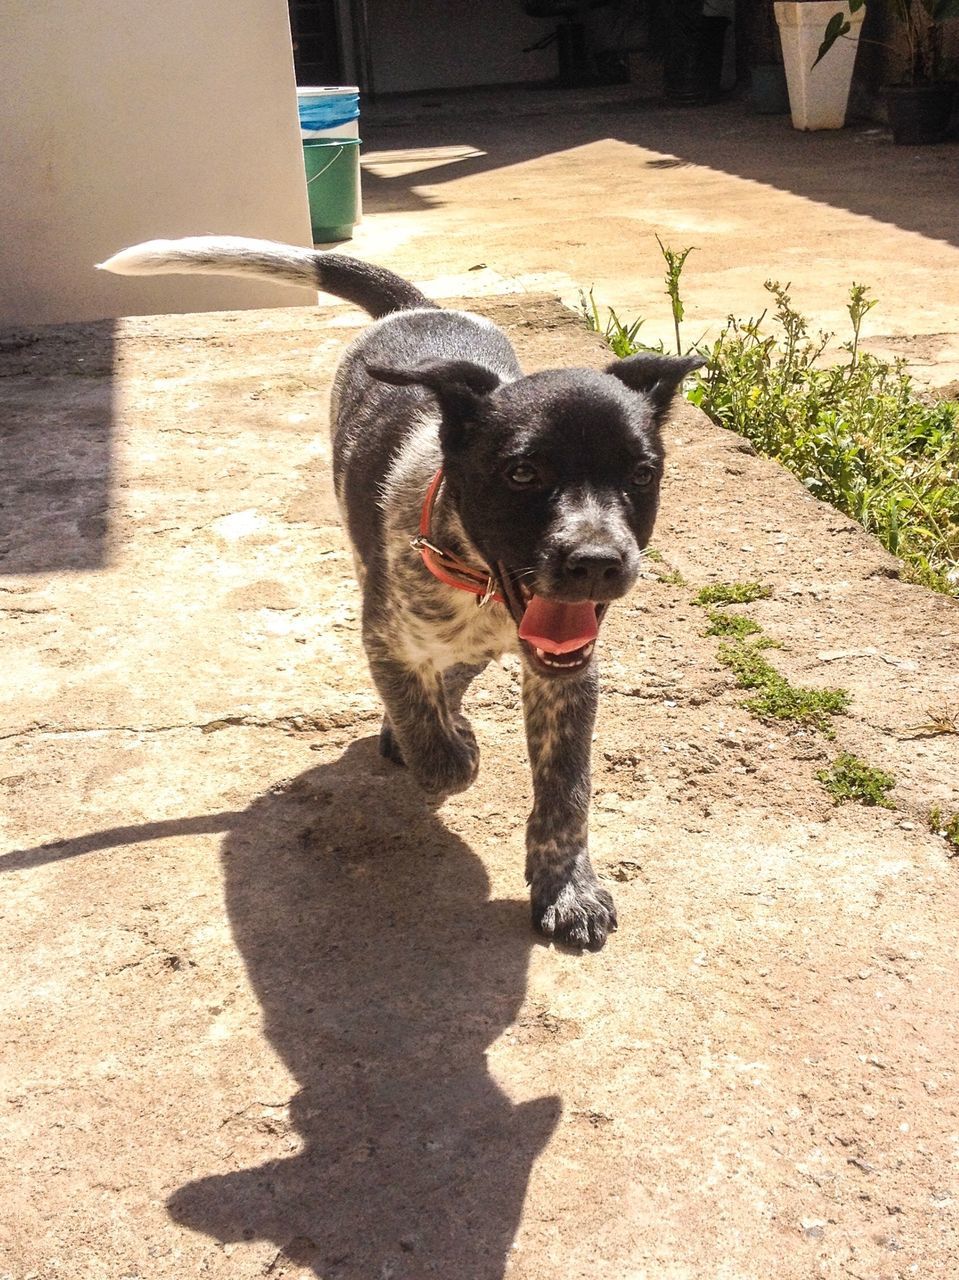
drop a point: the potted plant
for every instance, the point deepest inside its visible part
(921, 104)
(818, 86)
(695, 41)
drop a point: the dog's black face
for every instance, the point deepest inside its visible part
(556, 480)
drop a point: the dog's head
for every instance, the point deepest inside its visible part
(556, 480)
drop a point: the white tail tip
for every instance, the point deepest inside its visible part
(143, 259)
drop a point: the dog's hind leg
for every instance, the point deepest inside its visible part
(420, 730)
(568, 902)
(389, 747)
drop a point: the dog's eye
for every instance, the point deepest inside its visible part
(522, 475)
(641, 477)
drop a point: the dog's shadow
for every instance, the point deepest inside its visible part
(384, 973)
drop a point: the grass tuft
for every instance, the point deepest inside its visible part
(622, 339)
(937, 722)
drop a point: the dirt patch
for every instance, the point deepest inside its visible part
(267, 1013)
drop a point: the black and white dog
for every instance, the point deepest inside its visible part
(488, 512)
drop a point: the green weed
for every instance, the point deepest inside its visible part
(730, 624)
(849, 778)
(732, 593)
(776, 698)
(674, 270)
(857, 433)
(948, 828)
(662, 570)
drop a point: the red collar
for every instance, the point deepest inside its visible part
(443, 564)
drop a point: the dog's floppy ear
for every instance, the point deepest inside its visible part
(459, 385)
(657, 377)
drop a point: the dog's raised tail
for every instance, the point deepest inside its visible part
(375, 289)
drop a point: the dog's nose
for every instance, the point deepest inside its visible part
(594, 568)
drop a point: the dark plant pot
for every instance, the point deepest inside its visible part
(919, 113)
(768, 94)
(573, 57)
(693, 70)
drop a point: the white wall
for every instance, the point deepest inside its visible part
(123, 120)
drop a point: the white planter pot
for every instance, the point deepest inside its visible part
(817, 96)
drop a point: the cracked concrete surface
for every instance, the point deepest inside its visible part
(266, 1013)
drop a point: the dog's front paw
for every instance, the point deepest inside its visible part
(579, 912)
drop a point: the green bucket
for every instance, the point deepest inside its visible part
(333, 184)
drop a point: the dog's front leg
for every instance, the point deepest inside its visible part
(568, 901)
(420, 730)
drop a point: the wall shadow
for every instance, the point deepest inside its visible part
(56, 446)
(384, 973)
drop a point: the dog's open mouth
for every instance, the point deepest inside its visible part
(558, 637)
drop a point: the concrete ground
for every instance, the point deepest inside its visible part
(265, 1012)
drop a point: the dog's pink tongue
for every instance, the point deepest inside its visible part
(555, 627)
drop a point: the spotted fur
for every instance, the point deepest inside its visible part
(423, 388)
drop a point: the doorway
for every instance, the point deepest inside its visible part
(316, 42)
